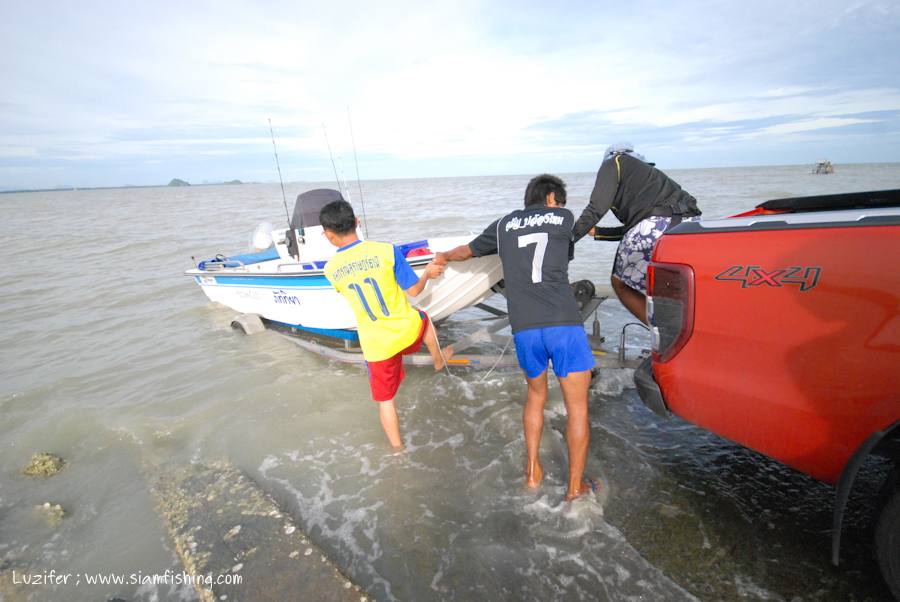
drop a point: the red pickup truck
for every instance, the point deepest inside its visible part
(779, 329)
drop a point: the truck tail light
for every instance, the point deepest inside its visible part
(670, 307)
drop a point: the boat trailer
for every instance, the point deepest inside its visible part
(589, 298)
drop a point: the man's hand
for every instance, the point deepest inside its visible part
(592, 232)
(440, 258)
(432, 270)
(435, 269)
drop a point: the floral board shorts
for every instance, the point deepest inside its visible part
(635, 250)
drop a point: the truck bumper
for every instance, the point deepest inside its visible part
(649, 390)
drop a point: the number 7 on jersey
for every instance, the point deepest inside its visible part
(539, 239)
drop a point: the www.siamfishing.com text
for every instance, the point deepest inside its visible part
(169, 577)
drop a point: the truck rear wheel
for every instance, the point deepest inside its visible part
(887, 542)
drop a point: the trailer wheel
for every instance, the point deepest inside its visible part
(248, 323)
(887, 542)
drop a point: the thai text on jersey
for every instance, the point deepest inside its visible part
(364, 275)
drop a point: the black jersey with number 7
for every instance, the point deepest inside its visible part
(535, 245)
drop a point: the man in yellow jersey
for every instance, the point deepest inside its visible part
(372, 277)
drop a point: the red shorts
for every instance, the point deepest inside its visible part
(385, 376)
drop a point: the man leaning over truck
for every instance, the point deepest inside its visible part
(647, 202)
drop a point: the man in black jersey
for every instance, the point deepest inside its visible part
(535, 245)
(647, 202)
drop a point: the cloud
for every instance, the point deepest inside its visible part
(807, 125)
(441, 89)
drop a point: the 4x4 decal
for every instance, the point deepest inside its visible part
(754, 275)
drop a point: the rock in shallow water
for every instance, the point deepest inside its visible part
(43, 465)
(52, 514)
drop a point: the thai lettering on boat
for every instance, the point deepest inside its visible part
(284, 298)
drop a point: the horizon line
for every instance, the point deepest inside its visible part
(239, 182)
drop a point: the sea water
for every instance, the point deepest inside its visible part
(113, 359)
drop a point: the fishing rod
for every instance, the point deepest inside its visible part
(280, 180)
(358, 182)
(331, 156)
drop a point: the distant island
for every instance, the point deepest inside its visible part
(180, 182)
(174, 182)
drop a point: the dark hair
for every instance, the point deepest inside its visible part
(540, 186)
(338, 217)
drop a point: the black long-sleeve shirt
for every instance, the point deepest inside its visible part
(632, 190)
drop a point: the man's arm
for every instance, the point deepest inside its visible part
(484, 244)
(460, 253)
(432, 270)
(407, 278)
(601, 199)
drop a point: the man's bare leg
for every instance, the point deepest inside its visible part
(634, 301)
(431, 342)
(575, 394)
(533, 418)
(390, 423)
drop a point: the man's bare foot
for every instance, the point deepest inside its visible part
(588, 485)
(442, 357)
(534, 474)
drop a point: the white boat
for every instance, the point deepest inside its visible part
(823, 166)
(285, 285)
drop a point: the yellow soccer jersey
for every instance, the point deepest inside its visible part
(366, 274)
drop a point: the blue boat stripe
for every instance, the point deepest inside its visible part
(273, 281)
(340, 333)
(273, 288)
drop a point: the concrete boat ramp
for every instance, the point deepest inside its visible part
(222, 523)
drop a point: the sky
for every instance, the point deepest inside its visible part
(137, 93)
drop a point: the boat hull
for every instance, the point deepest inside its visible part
(307, 301)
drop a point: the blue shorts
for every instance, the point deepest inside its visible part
(566, 346)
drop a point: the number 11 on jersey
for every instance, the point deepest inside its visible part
(539, 239)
